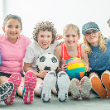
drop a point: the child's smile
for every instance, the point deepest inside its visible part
(12, 30)
(71, 37)
(44, 39)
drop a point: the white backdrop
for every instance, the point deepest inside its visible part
(60, 12)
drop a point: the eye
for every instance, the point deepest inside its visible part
(87, 33)
(9, 26)
(53, 59)
(17, 26)
(67, 35)
(42, 59)
(42, 36)
(48, 36)
(73, 35)
(93, 31)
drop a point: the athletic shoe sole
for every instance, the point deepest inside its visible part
(29, 85)
(97, 87)
(106, 81)
(6, 90)
(48, 83)
(75, 88)
(86, 87)
(63, 83)
(15, 79)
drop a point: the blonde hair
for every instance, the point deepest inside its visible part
(43, 26)
(71, 26)
(101, 41)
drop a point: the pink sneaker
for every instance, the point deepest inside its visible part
(15, 79)
(29, 86)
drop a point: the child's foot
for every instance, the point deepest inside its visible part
(85, 87)
(63, 83)
(48, 84)
(106, 81)
(97, 87)
(29, 86)
(6, 90)
(75, 88)
(15, 79)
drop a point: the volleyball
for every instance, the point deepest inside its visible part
(75, 68)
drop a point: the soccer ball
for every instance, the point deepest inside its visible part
(75, 68)
(47, 61)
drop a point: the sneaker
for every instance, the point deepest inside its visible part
(15, 79)
(29, 86)
(85, 87)
(75, 88)
(6, 90)
(106, 81)
(48, 83)
(63, 83)
(97, 87)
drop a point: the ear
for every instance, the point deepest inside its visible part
(3, 29)
(79, 37)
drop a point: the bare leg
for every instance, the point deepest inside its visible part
(20, 88)
(3, 79)
(38, 88)
(54, 90)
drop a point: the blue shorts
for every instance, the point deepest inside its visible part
(8, 75)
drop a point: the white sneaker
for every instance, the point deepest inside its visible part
(75, 88)
(86, 86)
(63, 83)
(48, 83)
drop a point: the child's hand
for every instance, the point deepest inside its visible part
(87, 68)
(81, 43)
(43, 73)
(64, 66)
(59, 37)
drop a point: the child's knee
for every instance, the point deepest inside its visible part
(93, 74)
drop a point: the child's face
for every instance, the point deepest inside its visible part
(92, 37)
(44, 39)
(71, 37)
(12, 29)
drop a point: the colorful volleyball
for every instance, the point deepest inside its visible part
(75, 68)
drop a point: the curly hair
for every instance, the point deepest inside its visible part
(10, 16)
(71, 26)
(101, 41)
(43, 26)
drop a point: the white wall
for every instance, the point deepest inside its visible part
(60, 12)
(1, 16)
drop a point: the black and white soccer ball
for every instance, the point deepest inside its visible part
(47, 61)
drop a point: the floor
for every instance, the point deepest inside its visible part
(94, 103)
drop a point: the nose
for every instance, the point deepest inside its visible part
(71, 38)
(45, 38)
(13, 29)
(91, 33)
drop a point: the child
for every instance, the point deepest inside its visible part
(44, 35)
(98, 50)
(71, 49)
(12, 50)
